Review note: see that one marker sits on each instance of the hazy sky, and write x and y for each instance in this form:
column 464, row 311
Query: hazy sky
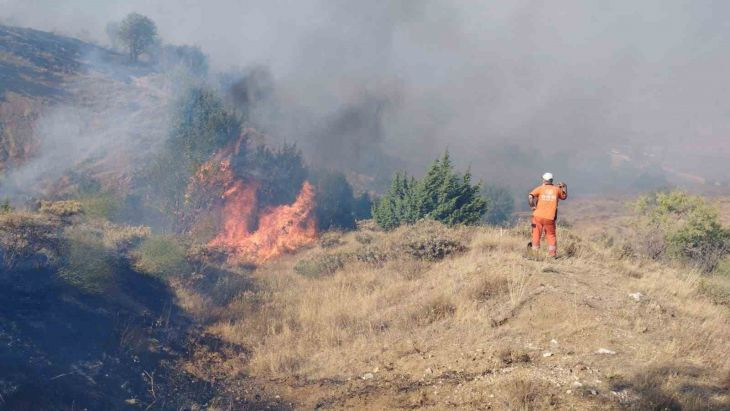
column 577, row 77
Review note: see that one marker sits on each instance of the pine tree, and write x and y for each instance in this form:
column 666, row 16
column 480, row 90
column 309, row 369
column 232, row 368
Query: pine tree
column 443, row 195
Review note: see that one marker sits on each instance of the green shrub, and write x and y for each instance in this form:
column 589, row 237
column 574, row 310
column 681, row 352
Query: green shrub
column 429, row 240
column 161, row 257
column 5, row 207
column 101, row 205
column 320, row 266
column 442, row 195
column 679, row 226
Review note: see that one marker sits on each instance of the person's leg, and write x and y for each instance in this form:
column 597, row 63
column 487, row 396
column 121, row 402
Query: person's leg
column 536, row 233
column 551, row 238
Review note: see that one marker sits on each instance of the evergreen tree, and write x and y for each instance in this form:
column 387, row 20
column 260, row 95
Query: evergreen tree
column 443, row 195
column 501, row 205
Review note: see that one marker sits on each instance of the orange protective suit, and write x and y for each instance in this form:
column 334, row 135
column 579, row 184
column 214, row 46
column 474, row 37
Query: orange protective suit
column 545, row 214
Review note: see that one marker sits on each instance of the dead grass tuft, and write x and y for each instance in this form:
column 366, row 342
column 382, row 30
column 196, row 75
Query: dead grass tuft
column 320, row 265
column 428, row 240
column 330, row 239
column 437, row 309
column 525, row 394
column 488, row 288
column 64, row 208
column 371, row 255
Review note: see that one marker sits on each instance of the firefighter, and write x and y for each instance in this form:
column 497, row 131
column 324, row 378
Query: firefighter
column 544, row 203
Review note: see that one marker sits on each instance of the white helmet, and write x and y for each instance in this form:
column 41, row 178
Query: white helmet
column 547, row 176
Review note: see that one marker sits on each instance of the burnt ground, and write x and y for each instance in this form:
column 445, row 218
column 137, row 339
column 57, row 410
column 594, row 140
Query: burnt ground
column 61, row 349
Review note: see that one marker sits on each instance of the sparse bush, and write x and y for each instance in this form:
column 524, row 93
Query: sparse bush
column 717, row 291
column 429, row 240
column 683, row 227
column 330, row 239
column 363, row 238
column 161, row 257
column 370, row 255
column 442, row 195
column 320, row 266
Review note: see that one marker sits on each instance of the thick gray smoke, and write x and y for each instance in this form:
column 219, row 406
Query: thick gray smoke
column 597, row 92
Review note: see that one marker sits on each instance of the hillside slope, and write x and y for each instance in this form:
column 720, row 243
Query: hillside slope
column 70, row 105
column 365, row 320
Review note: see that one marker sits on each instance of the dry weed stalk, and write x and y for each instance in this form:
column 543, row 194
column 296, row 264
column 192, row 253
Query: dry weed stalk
column 517, row 284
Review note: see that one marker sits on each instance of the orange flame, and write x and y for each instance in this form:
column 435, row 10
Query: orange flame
column 281, row 229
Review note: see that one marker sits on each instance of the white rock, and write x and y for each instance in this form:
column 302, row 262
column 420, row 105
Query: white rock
column 576, row 384
column 367, row 376
column 547, row 354
column 375, row 370
column 429, row 371
column 636, row 296
column 553, row 342
column 605, row 351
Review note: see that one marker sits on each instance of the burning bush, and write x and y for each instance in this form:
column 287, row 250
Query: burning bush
column 254, row 202
column 202, row 126
column 279, row 173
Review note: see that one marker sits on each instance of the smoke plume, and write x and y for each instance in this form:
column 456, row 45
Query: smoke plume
column 596, row 92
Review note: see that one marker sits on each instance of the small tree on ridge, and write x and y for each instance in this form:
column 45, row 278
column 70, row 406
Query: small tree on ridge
column 137, row 33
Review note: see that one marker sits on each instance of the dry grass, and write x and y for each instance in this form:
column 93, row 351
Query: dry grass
column 451, row 320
